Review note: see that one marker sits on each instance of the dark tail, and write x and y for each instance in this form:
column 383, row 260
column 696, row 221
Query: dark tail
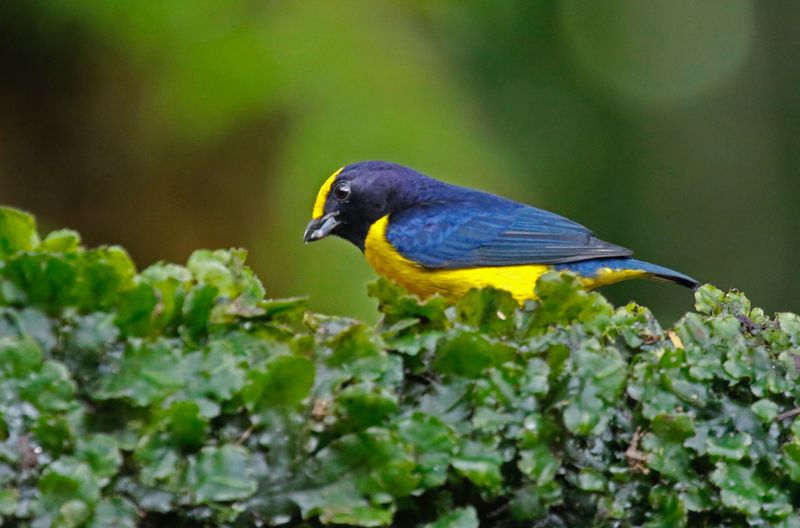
column 589, row 268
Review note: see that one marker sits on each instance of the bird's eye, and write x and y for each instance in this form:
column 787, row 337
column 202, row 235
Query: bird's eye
column 342, row 191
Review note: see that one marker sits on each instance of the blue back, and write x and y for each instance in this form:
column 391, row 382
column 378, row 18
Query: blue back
column 455, row 227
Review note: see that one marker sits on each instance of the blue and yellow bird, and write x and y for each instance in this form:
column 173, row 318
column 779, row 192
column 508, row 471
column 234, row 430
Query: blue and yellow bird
column 433, row 237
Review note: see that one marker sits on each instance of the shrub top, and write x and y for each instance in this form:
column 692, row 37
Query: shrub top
column 181, row 396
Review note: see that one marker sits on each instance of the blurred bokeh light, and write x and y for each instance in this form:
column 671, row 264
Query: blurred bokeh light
column 672, row 128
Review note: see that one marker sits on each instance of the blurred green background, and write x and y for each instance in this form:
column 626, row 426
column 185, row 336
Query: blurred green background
column 670, row 127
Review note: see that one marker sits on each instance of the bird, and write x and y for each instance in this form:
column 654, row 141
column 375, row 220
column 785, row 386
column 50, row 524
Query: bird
column 433, row 237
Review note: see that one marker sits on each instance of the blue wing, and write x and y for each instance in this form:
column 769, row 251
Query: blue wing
column 491, row 231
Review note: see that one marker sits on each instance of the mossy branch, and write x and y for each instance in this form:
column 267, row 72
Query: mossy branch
column 181, row 396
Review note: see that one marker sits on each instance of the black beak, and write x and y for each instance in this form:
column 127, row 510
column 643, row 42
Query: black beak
column 320, row 227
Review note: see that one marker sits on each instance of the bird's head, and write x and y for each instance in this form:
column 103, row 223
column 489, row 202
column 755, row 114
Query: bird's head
column 357, row 195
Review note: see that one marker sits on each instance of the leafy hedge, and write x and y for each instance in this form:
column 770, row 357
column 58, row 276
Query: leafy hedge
column 180, row 396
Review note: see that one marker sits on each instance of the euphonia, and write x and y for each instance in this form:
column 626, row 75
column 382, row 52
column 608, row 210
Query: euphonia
column 433, row 237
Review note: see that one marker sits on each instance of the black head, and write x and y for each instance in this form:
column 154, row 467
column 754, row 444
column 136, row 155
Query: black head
column 357, row 195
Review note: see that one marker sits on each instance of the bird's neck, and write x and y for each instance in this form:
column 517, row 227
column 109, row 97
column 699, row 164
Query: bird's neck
column 355, row 234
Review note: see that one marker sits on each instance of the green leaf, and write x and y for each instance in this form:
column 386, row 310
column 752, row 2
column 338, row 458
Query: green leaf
column 533, row 502
column 538, row 463
column 237, row 286
column 396, row 304
column 92, row 334
column 284, row 381
column 147, row 373
column 169, row 283
column 135, row 310
column 61, row 241
column 19, row 356
column 481, row 465
column 667, row 509
column 285, row 310
column 41, row 280
column 35, row 324
column 221, row 474
column 158, row 460
column 434, row 445
column 490, row 311
column 790, row 324
column 116, row 512
column 197, row 310
column 341, row 503
column 72, row 514
column 711, row 301
column 213, row 373
column 363, row 405
column 468, row 354
column 790, row 459
column 665, row 446
column 89, row 280
column 186, row 427
column 698, row 497
column 101, row 453
column 536, row 380
column 563, row 300
column 354, row 348
column 412, row 344
column 591, row 480
column 730, row 447
column 56, row 431
column 458, row 518
column 599, row 377
column 17, row 232
column 147, row 498
column 69, row 488
column 708, row 299
column 377, row 459
column 103, row 273
column 767, row 410
column 741, row 488
column 9, row 499
column 50, row 389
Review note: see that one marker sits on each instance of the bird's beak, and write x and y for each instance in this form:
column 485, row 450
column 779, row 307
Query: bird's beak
column 320, row 227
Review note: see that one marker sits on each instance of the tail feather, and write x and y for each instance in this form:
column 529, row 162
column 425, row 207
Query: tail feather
column 590, row 268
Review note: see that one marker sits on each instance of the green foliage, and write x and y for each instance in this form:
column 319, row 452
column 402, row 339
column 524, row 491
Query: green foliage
column 180, row 396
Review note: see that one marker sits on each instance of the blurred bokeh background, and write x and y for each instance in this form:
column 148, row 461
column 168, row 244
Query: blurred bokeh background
column 670, row 127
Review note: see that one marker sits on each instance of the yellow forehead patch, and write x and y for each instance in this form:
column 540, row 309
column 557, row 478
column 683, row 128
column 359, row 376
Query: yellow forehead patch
column 322, row 195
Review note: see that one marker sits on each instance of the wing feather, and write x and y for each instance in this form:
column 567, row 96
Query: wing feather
column 492, row 231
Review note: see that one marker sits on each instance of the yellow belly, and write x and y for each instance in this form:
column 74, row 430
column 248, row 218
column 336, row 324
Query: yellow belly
column 452, row 284
column 520, row 281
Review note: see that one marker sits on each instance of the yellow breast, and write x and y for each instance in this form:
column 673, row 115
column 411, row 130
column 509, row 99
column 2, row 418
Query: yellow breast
column 450, row 283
